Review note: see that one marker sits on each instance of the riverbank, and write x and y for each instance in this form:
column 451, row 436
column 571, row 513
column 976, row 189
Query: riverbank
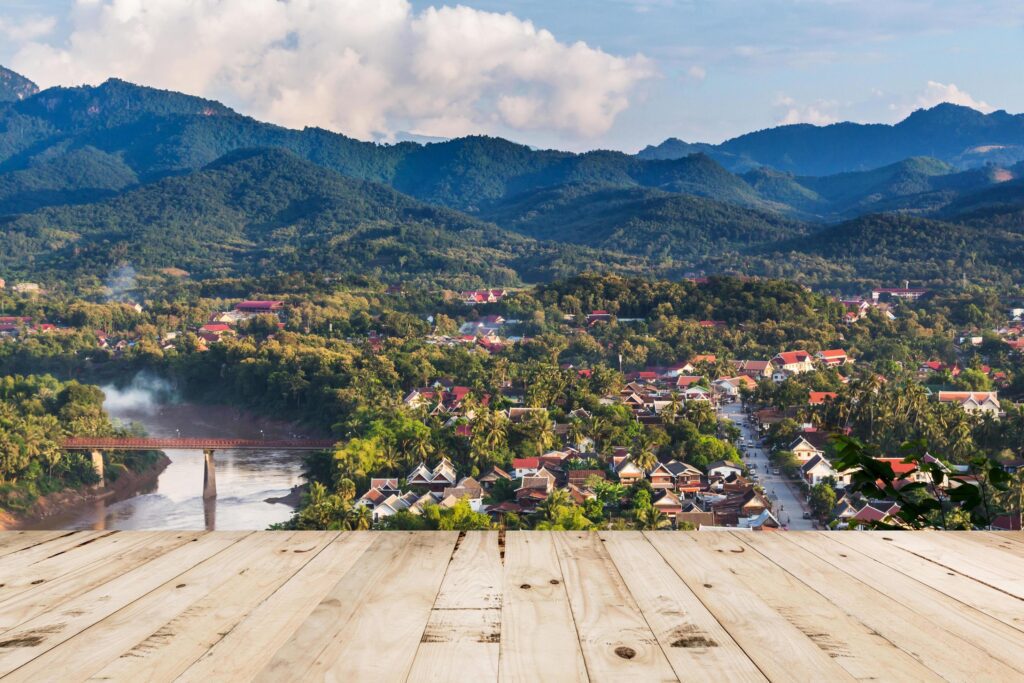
column 70, row 503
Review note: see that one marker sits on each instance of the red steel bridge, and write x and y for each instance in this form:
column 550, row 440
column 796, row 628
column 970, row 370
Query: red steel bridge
column 192, row 444
column 97, row 444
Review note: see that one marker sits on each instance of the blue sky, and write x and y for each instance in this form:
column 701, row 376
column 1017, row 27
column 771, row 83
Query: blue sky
column 700, row 70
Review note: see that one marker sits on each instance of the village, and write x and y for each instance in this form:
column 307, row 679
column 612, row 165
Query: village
column 775, row 469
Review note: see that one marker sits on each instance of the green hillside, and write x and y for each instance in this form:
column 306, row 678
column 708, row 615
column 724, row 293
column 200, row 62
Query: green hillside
column 269, row 211
column 652, row 223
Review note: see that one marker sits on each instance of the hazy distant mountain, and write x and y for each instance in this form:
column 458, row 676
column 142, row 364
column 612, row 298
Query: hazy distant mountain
column 951, row 133
column 15, row 87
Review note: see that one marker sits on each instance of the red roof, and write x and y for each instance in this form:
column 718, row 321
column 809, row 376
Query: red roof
column 789, row 357
column 898, row 466
column 525, row 463
column 817, row 398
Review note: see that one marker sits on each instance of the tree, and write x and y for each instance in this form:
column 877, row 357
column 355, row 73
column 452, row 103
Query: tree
column 651, row 518
column 822, row 498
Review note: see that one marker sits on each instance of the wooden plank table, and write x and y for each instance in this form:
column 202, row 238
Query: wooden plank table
column 521, row 606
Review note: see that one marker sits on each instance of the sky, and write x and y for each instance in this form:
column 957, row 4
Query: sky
column 567, row 74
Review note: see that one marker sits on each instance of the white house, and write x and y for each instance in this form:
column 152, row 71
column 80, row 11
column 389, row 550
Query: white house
column 723, row 468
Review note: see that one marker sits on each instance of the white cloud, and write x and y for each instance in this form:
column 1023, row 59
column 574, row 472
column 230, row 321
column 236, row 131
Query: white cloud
column 368, row 68
column 936, row 93
column 697, row 72
column 932, row 94
column 821, row 113
column 27, row 29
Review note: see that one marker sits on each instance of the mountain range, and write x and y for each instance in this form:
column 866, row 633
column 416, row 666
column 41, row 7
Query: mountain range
column 119, row 172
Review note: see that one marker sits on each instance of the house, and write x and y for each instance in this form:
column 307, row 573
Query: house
column 832, row 358
column 686, row 381
column 973, row 401
column 687, row 477
column 759, row 522
column 820, row 398
column 729, row 387
column 803, row 449
column 598, row 317
column 793, row 362
column 581, row 477
column 492, row 477
column 724, row 468
column 668, row 503
column 627, row 471
column 907, row 293
column 758, row 369
column 525, row 467
column 26, row 288
column 437, row 479
column 259, row 307
column 817, row 469
column 662, row 477
column 482, row 296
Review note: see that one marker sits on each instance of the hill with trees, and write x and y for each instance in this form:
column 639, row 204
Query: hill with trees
column 267, row 210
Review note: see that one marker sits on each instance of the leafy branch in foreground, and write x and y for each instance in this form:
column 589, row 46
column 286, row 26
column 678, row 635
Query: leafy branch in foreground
column 934, row 499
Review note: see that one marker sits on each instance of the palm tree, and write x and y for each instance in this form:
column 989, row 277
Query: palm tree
column 550, row 507
column 359, row 518
column 651, row 518
column 576, row 432
column 643, row 453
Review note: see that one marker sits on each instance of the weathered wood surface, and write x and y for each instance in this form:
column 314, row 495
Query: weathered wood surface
column 522, row 606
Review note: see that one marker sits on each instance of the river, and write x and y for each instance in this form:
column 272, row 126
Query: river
column 245, row 479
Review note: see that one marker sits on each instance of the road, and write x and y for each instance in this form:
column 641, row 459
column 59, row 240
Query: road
column 788, row 504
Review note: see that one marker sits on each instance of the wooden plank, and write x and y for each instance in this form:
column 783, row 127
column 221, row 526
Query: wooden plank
column 995, row 540
column 389, row 618
column 866, row 597
column 464, row 629
column 33, row 638
column 176, row 643
column 25, row 559
column 52, row 594
column 18, row 580
column 694, row 642
column 995, row 603
column 15, row 541
column 992, row 567
column 998, row 640
column 862, row 652
column 251, row 644
column 335, row 609
column 538, row 634
column 780, row 650
column 616, row 641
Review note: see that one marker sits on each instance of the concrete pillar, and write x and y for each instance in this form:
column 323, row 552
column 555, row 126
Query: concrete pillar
column 210, row 513
column 97, row 464
column 209, row 475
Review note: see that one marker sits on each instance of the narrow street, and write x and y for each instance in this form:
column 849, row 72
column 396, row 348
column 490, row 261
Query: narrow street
column 788, row 503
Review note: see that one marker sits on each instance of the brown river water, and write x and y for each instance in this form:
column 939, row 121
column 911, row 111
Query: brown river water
column 245, row 479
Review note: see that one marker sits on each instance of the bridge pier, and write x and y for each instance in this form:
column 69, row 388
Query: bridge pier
column 209, row 474
column 97, row 465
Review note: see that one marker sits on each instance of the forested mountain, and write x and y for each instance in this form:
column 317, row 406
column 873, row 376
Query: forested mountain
column 267, row 210
column 158, row 133
column 951, row 133
column 660, row 225
column 14, row 87
column 93, row 177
